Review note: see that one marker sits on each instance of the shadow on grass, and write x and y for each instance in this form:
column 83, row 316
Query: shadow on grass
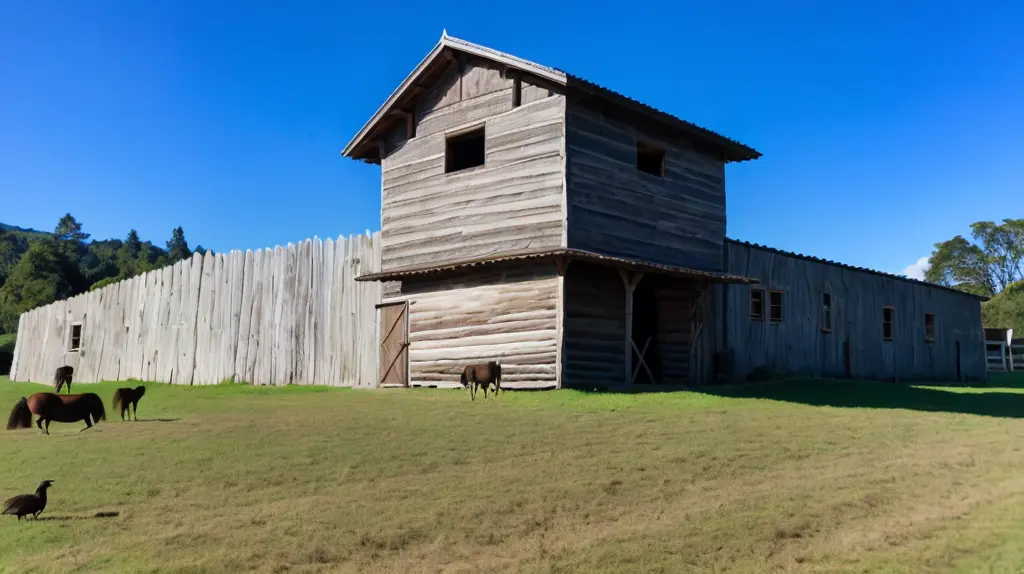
column 877, row 395
column 66, row 518
column 150, row 420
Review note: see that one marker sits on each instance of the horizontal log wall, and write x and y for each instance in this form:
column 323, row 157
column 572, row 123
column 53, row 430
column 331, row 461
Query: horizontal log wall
column 291, row 315
column 509, row 314
column 798, row 346
column 512, row 202
column 614, row 208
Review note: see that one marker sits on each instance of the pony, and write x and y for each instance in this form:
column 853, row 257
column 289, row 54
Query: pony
column 63, row 377
column 53, row 407
column 482, row 375
column 126, row 396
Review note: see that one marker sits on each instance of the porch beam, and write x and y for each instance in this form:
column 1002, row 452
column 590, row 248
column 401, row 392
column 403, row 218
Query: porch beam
column 629, row 282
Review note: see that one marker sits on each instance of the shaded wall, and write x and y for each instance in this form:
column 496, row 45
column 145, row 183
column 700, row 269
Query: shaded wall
column 291, row 315
column 798, row 346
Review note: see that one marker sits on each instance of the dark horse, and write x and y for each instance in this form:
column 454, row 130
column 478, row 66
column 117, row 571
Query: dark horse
column 53, row 407
column 126, row 396
column 63, row 377
column 482, row 375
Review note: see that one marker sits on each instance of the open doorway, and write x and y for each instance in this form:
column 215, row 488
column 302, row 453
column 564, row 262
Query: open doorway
column 645, row 333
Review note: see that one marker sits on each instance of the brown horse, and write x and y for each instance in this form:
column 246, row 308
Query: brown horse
column 482, row 375
column 126, row 396
column 63, row 377
column 53, row 407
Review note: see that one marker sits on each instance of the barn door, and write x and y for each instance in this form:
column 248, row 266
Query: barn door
column 394, row 345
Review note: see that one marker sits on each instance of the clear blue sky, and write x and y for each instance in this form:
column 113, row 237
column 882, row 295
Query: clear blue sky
column 885, row 126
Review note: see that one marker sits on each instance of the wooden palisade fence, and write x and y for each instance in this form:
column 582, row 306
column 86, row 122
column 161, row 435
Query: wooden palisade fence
column 288, row 315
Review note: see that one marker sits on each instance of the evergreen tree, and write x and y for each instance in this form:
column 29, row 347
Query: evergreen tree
column 177, row 247
column 39, row 278
column 69, row 235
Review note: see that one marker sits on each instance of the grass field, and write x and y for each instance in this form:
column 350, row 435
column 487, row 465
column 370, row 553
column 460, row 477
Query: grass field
column 801, row 476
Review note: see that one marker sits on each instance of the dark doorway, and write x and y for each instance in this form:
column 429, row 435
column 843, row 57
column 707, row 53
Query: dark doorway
column 645, row 328
column 847, row 363
column 959, row 376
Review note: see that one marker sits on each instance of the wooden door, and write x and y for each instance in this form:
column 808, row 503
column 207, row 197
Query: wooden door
column 393, row 370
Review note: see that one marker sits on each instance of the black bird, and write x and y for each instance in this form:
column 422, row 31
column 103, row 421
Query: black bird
column 25, row 504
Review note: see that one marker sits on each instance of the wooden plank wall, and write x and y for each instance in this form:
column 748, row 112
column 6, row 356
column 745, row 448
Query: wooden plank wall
column 509, row 313
column 512, row 202
column 595, row 318
column 290, row 315
column 797, row 345
column 614, row 208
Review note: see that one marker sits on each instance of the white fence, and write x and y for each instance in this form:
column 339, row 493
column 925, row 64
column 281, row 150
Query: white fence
column 288, row 315
column 1005, row 356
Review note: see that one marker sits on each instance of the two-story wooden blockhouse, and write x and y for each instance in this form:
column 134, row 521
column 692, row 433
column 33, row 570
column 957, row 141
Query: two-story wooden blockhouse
column 579, row 236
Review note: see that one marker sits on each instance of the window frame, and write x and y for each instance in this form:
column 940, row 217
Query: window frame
column 929, row 337
column 463, row 134
column 892, row 315
column 781, row 293
column 760, row 318
column 643, row 147
column 71, row 346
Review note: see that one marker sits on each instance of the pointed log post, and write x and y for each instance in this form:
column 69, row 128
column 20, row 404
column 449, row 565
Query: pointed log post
column 630, row 284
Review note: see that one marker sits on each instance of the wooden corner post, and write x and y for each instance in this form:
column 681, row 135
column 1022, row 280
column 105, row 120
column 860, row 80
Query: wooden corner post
column 630, row 284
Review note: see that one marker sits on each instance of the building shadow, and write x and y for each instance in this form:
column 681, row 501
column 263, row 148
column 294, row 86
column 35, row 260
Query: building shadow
column 879, row 395
column 91, row 517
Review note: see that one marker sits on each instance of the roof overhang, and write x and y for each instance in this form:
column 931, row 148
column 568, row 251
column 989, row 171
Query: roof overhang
column 562, row 255
column 413, row 83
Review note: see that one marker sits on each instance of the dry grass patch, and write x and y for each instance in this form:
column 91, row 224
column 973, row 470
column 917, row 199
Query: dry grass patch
column 741, row 479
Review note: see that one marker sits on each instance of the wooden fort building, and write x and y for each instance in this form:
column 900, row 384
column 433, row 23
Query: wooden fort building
column 579, row 236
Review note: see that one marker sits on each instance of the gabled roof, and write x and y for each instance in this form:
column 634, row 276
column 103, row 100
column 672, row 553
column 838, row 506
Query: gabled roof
column 731, row 150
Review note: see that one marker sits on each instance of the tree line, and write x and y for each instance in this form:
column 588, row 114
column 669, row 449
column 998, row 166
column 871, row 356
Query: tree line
column 39, row 268
column 986, row 264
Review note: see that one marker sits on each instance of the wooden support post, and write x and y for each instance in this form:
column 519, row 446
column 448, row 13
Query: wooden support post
column 630, row 284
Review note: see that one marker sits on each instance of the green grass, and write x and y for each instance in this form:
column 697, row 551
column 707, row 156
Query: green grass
column 234, row 478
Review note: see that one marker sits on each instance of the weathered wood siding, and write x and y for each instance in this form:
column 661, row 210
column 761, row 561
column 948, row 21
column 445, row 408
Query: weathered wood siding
column 512, row 202
column 291, row 315
column 508, row 313
column 593, row 354
column 614, row 208
column 797, row 345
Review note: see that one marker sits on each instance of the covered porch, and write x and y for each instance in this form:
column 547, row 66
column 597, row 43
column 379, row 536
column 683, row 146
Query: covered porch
column 631, row 324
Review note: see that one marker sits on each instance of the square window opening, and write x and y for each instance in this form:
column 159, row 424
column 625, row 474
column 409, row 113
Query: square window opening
column 775, row 307
column 650, row 159
column 464, row 151
column 887, row 316
column 929, row 327
column 757, row 305
column 75, row 340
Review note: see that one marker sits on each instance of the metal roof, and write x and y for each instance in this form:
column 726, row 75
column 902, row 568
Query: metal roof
column 566, row 253
column 852, row 267
column 735, row 151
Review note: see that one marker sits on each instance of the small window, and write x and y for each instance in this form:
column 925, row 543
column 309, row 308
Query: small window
column 826, row 312
column 757, row 304
column 650, row 159
column 887, row 313
column 75, row 341
column 464, row 150
column 775, row 307
column 929, row 327
column 517, row 93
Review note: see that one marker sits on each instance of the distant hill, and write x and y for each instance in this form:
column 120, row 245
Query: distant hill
column 7, row 227
column 1006, row 310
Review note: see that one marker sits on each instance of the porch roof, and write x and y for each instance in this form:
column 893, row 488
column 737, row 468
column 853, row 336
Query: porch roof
column 562, row 255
